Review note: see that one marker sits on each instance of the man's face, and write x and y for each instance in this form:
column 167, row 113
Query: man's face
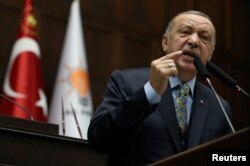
column 194, row 35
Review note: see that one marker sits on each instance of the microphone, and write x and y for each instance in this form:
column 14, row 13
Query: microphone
column 205, row 76
column 18, row 105
column 63, row 117
column 78, row 126
column 200, row 68
column 229, row 81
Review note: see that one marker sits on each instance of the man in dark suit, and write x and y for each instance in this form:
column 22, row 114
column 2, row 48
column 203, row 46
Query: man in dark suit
column 146, row 115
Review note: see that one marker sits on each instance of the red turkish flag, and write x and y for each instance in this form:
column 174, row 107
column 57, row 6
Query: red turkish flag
column 23, row 82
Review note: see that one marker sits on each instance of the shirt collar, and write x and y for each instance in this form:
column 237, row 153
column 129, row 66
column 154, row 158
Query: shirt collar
column 175, row 81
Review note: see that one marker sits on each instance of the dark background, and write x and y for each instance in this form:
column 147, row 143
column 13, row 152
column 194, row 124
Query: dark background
column 127, row 33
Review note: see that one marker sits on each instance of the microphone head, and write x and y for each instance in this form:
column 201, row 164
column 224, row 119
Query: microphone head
column 200, row 68
column 213, row 69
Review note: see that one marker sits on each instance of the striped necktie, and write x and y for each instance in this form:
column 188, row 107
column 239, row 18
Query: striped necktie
column 180, row 106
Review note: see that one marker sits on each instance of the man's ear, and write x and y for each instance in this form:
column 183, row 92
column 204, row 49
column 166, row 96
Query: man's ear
column 164, row 42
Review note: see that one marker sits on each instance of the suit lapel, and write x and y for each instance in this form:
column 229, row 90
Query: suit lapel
column 167, row 110
column 198, row 117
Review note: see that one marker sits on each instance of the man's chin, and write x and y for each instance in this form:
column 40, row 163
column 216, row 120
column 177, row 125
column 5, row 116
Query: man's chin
column 188, row 67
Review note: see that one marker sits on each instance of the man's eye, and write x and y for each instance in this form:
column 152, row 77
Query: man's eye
column 185, row 33
column 204, row 37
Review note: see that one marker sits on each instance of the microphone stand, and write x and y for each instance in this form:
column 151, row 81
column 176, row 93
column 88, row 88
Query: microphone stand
column 242, row 90
column 63, row 117
column 78, row 126
column 205, row 76
column 219, row 101
column 224, row 77
column 18, row 105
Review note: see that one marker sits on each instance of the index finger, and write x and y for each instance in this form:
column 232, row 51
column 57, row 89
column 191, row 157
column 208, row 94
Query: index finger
column 172, row 55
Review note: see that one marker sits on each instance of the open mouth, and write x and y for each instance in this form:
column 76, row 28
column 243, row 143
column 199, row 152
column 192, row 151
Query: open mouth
column 189, row 53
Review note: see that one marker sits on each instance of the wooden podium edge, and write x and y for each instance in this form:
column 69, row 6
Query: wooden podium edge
column 206, row 146
column 28, row 125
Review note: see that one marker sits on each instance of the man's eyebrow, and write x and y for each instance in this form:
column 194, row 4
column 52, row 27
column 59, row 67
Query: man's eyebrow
column 206, row 31
column 187, row 25
column 184, row 25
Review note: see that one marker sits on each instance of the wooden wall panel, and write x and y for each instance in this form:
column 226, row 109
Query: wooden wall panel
column 123, row 34
column 98, row 48
column 140, row 54
column 9, row 21
column 247, row 60
column 51, row 48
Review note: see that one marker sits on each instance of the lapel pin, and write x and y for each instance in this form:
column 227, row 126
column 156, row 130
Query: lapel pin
column 202, row 102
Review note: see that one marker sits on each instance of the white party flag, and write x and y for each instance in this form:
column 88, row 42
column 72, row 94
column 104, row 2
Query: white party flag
column 72, row 83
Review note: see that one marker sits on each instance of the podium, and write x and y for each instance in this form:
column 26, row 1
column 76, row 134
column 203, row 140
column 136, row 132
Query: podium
column 240, row 140
column 25, row 142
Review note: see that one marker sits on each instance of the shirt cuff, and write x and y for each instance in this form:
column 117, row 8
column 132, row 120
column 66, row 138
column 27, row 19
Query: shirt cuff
column 152, row 96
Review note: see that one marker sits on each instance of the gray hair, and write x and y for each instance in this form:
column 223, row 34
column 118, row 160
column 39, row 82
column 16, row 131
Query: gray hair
column 194, row 12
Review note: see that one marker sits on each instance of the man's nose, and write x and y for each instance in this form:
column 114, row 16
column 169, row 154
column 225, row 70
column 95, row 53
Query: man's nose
column 193, row 41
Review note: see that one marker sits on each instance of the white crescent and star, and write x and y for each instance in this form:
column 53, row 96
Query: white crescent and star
column 22, row 45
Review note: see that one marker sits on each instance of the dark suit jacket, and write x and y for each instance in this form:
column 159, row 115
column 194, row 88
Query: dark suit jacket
column 135, row 133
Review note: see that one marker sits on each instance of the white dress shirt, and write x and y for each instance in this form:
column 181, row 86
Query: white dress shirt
column 155, row 98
